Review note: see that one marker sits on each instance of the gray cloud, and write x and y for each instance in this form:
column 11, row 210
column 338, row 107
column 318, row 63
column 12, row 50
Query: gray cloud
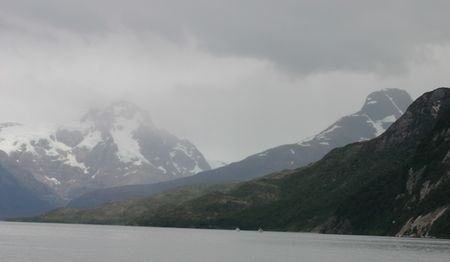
column 300, row 37
column 235, row 77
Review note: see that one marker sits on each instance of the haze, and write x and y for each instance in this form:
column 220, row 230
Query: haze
column 234, row 77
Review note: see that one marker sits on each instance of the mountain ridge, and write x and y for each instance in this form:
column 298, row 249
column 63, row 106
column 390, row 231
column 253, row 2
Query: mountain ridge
column 379, row 110
column 111, row 146
column 395, row 184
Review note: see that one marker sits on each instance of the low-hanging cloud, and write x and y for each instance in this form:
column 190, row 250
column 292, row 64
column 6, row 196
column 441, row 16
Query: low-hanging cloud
column 301, row 37
column 235, row 77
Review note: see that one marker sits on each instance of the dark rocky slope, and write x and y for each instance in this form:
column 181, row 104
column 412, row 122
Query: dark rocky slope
column 22, row 195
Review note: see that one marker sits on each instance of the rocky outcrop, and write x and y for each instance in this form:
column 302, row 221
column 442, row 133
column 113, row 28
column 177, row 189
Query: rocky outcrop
column 420, row 226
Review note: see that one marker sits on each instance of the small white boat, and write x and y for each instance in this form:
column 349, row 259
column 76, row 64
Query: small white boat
column 238, row 229
column 260, row 230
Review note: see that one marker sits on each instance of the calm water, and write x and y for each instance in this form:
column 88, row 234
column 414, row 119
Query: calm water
column 59, row 243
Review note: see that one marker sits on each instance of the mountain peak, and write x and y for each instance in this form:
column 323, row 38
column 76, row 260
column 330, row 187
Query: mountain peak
column 380, row 110
column 111, row 146
column 386, row 102
column 421, row 117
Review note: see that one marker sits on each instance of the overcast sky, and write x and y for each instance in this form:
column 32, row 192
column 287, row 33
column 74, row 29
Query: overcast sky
column 233, row 76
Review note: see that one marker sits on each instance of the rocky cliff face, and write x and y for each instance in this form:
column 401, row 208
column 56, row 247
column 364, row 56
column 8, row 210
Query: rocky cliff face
column 412, row 197
column 113, row 146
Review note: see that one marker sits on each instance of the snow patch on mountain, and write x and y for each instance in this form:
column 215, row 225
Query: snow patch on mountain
column 71, row 160
column 216, row 163
column 183, row 149
column 263, row 154
column 52, row 180
column 377, row 125
column 90, row 140
column 197, row 169
column 128, row 149
column 380, row 125
column 393, row 103
column 323, row 135
column 20, row 138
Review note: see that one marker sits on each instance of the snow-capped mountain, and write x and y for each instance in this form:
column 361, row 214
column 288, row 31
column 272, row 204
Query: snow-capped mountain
column 379, row 111
column 114, row 146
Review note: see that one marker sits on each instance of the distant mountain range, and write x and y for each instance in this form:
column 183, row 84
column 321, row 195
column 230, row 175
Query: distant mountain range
column 379, row 111
column 395, row 184
column 114, row 146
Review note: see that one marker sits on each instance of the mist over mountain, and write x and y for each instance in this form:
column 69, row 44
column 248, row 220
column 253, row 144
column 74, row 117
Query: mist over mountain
column 379, row 111
column 113, row 146
column 395, row 184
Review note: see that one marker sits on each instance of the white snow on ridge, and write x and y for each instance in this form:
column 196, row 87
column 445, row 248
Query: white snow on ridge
column 56, row 147
column 393, row 103
column 216, row 164
column 20, row 138
column 305, row 144
column 71, row 160
column 128, row 149
column 52, row 180
column 323, row 135
column 263, row 154
column 378, row 124
column 389, row 119
column 25, row 139
column 90, row 140
column 197, row 169
column 188, row 151
column 162, row 169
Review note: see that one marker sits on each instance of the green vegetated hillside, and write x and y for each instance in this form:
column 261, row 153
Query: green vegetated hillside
column 126, row 212
column 396, row 184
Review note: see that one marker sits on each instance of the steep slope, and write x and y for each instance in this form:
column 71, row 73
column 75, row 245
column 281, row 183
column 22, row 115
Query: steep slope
column 396, row 184
column 379, row 111
column 21, row 194
column 114, row 146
